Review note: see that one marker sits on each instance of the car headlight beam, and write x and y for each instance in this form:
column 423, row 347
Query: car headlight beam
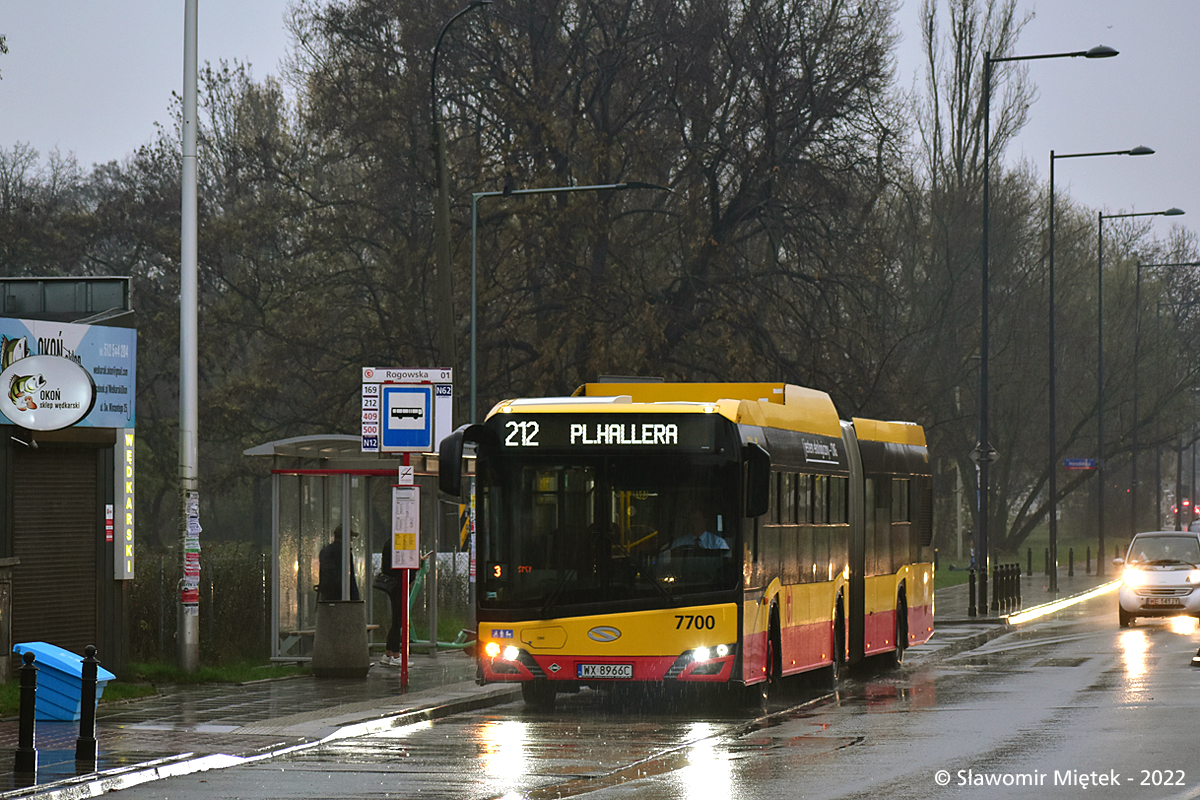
column 1133, row 578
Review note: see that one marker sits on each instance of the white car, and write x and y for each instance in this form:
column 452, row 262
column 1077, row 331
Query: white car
column 1161, row 576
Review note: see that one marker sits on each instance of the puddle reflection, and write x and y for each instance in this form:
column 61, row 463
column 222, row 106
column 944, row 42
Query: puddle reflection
column 503, row 750
column 1133, row 645
column 708, row 772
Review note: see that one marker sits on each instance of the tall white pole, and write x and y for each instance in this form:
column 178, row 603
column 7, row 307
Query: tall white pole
column 188, row 631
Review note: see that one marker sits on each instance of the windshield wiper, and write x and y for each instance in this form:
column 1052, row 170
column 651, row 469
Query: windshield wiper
column 559, row 588
column 638, row 567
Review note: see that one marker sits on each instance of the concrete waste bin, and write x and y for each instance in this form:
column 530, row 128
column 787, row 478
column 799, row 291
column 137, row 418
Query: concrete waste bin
column 60, row 681
column 340, row 648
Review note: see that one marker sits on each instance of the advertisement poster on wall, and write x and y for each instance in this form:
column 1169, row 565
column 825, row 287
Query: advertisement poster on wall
column 107, row 355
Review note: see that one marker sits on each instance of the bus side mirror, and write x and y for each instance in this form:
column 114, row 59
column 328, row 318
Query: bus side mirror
column 450, row 455
column 758, row 479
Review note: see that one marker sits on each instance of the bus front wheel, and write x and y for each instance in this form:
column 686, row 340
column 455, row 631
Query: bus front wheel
column 539, row 694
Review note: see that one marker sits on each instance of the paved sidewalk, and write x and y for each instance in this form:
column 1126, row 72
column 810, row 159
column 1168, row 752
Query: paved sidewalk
column 193, row 728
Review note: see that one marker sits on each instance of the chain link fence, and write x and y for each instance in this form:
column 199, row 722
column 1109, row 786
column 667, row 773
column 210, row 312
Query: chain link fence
column 235, row 603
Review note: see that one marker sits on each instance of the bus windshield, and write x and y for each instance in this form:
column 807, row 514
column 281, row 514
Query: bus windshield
column 557, row 533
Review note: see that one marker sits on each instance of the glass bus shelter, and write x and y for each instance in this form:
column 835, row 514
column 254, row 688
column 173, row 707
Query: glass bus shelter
column 321, row 486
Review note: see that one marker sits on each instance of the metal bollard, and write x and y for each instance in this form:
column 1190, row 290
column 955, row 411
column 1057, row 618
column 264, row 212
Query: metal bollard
column 25, row 760
column 1029, row 561
column 1001, row 573
column 971, row 609
column 1017, row 587
column 1047, row 561
column 1070, row 562
column 1002, row 587
column 996, row 588
column 85, row 746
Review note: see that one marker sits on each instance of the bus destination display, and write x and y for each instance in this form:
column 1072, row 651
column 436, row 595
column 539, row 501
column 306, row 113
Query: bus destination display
column 592, row 431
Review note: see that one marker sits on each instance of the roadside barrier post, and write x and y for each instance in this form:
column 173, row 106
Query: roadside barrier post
column 1029, row 561
column 26, row 757
column 996, row 588
column 1089, row 560
column 1070, row 562
column 971, row 609
column 85, row 746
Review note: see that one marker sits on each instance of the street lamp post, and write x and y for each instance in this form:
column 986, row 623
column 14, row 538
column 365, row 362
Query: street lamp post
column 1137, row 335
column 475, row 198
column 1170, row 212
column 441, row 208
column 983, row 450
column 1053, row 424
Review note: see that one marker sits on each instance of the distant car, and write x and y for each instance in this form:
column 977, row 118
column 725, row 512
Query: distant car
column 1161, row 576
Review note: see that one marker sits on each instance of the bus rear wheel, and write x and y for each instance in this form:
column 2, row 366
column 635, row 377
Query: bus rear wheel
column 901, row 631
column 837, row 669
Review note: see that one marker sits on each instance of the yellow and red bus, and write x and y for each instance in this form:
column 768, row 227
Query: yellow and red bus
column 688, row 533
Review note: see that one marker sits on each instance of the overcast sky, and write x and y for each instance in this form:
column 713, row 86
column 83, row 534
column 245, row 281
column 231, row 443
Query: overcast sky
column 92, row 77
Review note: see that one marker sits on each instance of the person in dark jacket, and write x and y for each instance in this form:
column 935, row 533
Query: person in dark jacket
column 330, row 571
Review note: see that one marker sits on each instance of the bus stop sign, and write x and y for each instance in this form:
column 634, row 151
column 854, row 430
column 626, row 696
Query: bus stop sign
column 406, row 417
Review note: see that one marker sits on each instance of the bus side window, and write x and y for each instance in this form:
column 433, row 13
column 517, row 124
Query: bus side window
column 804, row 491
column 900, row 500
column 820, row 491
column 773, row 513
column 787, row 498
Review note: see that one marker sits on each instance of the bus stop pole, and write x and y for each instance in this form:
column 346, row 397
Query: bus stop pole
column 404, row 621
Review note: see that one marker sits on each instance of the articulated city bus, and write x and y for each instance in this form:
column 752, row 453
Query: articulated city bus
column 693, row 534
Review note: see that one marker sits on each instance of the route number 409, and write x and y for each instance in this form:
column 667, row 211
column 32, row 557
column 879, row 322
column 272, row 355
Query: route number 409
column 699, row 622
column 521, row 433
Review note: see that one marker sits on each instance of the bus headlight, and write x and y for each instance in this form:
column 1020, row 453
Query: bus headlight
column 707, row 653
column 491, row 649
column 511, row 653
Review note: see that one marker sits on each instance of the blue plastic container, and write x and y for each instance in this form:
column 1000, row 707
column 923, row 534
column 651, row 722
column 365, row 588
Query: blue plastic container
column 60, row 681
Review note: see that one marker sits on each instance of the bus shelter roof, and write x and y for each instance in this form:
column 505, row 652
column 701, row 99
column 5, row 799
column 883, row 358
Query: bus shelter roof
column 327, row 445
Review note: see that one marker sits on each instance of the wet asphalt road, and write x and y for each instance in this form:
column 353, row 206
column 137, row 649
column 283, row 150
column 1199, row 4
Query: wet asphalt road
column 1069, row 706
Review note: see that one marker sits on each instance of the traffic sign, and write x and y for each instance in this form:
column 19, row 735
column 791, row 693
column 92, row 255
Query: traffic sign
column 1079, row 463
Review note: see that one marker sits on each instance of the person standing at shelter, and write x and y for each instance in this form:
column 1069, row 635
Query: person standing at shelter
column 390, row 582
column 331, row 571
